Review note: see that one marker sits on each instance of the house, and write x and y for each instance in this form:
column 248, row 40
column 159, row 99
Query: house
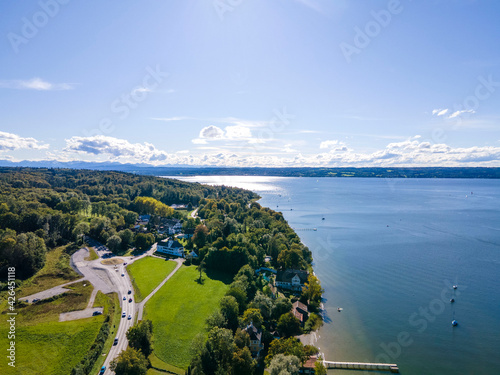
column 172, row 226
column 170, row 247
column 143, row 219
column 255, row 339
column 299, row 310
column 178, row 206
column 291, row 279
column 308, row 367
column 192, row 255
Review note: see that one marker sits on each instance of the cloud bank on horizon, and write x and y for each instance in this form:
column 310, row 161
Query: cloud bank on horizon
column 271, row 84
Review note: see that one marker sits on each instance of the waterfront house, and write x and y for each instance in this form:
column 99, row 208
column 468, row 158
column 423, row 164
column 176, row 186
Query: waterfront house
column 308, row 367
column 299, row 310
column 291, row 279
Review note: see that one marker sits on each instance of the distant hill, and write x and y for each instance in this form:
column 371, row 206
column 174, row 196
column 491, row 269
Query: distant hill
column 189, row 170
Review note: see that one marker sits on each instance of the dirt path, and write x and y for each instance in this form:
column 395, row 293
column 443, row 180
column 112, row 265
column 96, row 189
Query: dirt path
column 141, row 305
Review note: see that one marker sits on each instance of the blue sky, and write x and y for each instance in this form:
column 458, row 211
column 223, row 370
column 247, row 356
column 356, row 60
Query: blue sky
column 251, row 82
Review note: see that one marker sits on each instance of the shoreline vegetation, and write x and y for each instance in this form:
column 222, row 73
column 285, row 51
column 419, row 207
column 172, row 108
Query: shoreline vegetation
column 369, row 172
column 271, row 293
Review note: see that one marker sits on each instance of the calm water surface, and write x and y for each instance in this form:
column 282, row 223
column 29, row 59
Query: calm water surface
column 388, row 252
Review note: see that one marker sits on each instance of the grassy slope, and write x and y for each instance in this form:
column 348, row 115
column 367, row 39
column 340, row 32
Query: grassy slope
column 147, row 273
column 47, row 346
column 179, row 310
column 55, row 272
column 111, row 305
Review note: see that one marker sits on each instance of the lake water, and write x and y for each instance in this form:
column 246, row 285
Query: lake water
column 388, row 253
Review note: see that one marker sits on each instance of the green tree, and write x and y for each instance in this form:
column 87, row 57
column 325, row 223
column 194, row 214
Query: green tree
column 281, row 306
column 127, row 237
column 114, row 243
column 289, row 346
column 253, row 316
column 319, row 367
column 243, row 363
column 80, row 230
column 144, row 241
column 289, row 325
column 200, row 235
column 284, row 365
column 130, row 362
column 229, row 308
column 140, row 337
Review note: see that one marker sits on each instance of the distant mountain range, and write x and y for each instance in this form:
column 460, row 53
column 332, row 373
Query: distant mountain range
column 190, row 170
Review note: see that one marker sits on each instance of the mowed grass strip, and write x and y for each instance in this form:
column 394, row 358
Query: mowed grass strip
column 147, row 273
column 178, row 312
column 43, row 344
column 53, row 348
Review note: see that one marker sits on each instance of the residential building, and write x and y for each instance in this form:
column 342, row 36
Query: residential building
column 308, row 367
column 291, row 279
column 255, row 339
column 171, row 247
column 299, row 310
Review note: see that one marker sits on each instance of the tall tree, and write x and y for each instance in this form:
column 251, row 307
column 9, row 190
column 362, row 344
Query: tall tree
column 130, row 362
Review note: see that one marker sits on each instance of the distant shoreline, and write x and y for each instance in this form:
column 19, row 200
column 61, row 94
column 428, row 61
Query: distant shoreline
column 340, row 172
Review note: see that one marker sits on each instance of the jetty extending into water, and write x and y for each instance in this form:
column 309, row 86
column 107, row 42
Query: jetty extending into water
column 392, row 367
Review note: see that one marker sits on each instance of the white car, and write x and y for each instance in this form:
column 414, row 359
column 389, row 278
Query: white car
column 124, row 314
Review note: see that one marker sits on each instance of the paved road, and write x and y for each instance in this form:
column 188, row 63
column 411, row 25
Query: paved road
column 106, row 278
column 50, row 292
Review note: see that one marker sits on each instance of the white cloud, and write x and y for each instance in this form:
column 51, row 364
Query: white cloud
column 116, row 149
column 35, row 84
column 238, row 132
column 170, row 119
column 212, row 132
column 333, row 145
column 11, row 142
column 459, row 113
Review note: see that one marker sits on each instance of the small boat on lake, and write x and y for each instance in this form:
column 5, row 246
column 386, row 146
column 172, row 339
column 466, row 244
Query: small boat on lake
column 452, row 300
column 454, row 323
column 455, row 286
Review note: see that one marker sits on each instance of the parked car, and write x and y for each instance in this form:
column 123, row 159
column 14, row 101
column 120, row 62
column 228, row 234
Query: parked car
column 123, row 274
column 129, row 317
column 124, row 314
column 130, row 299
column 129, row 291
column 116, row 341
column 103, row 370
column 124, row 298
column 96, row 313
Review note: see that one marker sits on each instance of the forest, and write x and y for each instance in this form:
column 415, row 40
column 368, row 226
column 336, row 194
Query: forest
column 41, row 209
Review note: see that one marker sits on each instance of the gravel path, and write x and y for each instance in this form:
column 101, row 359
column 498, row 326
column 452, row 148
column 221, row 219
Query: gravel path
column 141, row 305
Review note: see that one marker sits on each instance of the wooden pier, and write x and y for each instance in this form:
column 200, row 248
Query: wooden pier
column 391, row 367
column 305, row 229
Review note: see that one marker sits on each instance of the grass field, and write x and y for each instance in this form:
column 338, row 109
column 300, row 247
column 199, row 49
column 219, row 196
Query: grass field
column 147, row 273
column 46, row 346
column 56, row 271
column 92, row 254
column 178, row 312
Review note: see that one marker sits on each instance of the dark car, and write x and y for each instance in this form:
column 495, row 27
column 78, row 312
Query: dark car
column 116, row 341
column 130, row 299
column 96, row 313
column 129, row 292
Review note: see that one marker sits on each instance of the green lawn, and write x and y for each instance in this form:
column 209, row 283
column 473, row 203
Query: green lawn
column 147, row 273
column 56, row 271
column 178, row 312
column 46, row 346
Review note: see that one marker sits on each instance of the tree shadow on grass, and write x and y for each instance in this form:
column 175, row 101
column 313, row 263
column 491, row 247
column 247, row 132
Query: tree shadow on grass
column 226, row 278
